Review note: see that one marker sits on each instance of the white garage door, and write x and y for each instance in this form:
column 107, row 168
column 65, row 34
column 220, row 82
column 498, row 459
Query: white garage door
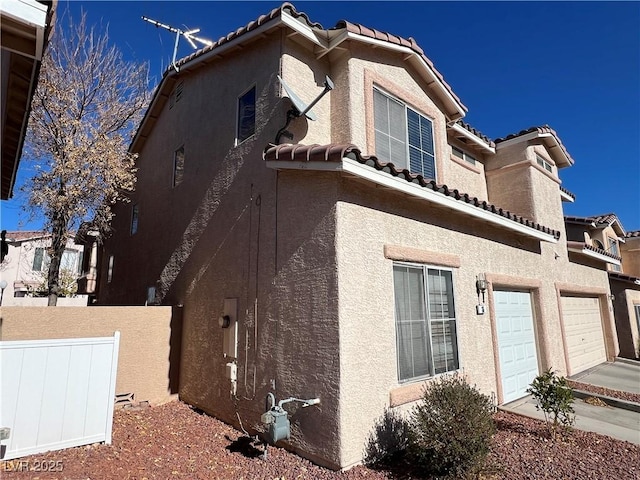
column 516, row 343
column 583, row 331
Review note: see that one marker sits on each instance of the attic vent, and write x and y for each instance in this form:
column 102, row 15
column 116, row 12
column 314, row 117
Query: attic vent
column 179, row 91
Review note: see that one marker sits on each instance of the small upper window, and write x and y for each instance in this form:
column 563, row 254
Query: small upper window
column 40, row 259
column 403, row 136
column 613, row 249
column 246, row 115
column 110, row 269
column 544, row 164
column 463, row 155
column 178, row 166
column 134, row 219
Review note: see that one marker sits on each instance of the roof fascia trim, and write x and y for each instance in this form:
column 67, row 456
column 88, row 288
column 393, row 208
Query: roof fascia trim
column 353, row 167
column 595, row 255
column 555, row 145
column 566, row 197
column 301, row 28
column 478, row 141
column 459, row 108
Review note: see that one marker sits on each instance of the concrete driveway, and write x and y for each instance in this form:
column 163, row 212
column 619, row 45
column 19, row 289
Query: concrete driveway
column 618, row 419
column 620, row 375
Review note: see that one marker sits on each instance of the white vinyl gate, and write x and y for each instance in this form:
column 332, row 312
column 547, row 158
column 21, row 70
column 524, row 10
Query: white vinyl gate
column 57, row 393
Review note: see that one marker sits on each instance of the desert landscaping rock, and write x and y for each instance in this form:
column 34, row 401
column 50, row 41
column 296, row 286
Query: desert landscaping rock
column 174, row 441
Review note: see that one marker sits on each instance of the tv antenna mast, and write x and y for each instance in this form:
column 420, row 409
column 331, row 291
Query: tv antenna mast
column 189, row 35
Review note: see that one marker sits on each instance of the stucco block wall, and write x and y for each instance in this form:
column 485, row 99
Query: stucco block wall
column 368, row 221
column 149, row 356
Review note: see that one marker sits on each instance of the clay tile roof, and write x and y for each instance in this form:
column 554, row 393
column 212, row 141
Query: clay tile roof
column 405, row 42
column 21, row 235
column 540, row 129
column 477, row 133
column 635, row 233
column 336, row 152
column 586, row 246
column 600, row 220
column 261, row 20
column 567, row 192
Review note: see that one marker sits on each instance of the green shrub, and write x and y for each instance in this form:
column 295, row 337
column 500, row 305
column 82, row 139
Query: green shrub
column 388, row 441
column 451, row 429
column 555, row 398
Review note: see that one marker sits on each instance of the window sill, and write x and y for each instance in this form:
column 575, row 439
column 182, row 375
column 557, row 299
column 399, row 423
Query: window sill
column 414, row 391
column 465, row 164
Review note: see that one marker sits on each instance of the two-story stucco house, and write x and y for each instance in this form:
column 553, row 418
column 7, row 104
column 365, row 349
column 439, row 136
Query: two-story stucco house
column 356, row 256
column 25, row 267
column 602, row 239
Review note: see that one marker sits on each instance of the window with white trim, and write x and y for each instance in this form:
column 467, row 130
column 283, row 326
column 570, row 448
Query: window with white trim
column 246, row 115
column 403, row 136
column 426, row 339
column 41, row 259
column 544, row 164
column 462, row 155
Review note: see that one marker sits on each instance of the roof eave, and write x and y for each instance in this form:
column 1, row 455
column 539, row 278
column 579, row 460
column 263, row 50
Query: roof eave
column 594, row 255
column 550, row 142
column 455, row 109
column 476, row 140
column 353, row 167
column 170, row 74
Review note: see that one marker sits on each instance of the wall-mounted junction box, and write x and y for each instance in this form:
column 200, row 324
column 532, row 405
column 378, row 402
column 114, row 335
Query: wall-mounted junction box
column 230, row 334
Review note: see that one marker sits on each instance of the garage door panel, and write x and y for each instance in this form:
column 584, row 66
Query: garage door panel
column 583, row 332
column 516, row 342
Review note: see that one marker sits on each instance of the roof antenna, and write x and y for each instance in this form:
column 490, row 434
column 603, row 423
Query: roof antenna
column 189, row 35
column 299, row 107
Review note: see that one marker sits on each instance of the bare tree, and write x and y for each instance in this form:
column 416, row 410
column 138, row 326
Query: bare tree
column 85, row 109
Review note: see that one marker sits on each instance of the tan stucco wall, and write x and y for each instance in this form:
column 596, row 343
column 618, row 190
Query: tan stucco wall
column 366, row 303
column 149, row 354
column 630, row 252
column 517, row 183
column 627, row 297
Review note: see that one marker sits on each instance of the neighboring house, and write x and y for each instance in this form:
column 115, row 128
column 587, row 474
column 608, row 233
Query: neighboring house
column 25, row 25
column 26, row 265
column 625, row 287
column 386, row 243
column 601, row 239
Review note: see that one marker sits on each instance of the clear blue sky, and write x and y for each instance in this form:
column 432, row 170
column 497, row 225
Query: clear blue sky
column 572, row 65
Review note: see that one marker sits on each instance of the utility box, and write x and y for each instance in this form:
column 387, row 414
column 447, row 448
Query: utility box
column 230, row 333
column 280, row 428
column 277, row 421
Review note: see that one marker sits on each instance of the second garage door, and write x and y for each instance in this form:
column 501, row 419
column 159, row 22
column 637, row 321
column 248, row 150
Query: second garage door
column 583, row 332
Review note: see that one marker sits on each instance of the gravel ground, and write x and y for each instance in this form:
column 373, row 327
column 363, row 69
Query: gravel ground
column 174, row 441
